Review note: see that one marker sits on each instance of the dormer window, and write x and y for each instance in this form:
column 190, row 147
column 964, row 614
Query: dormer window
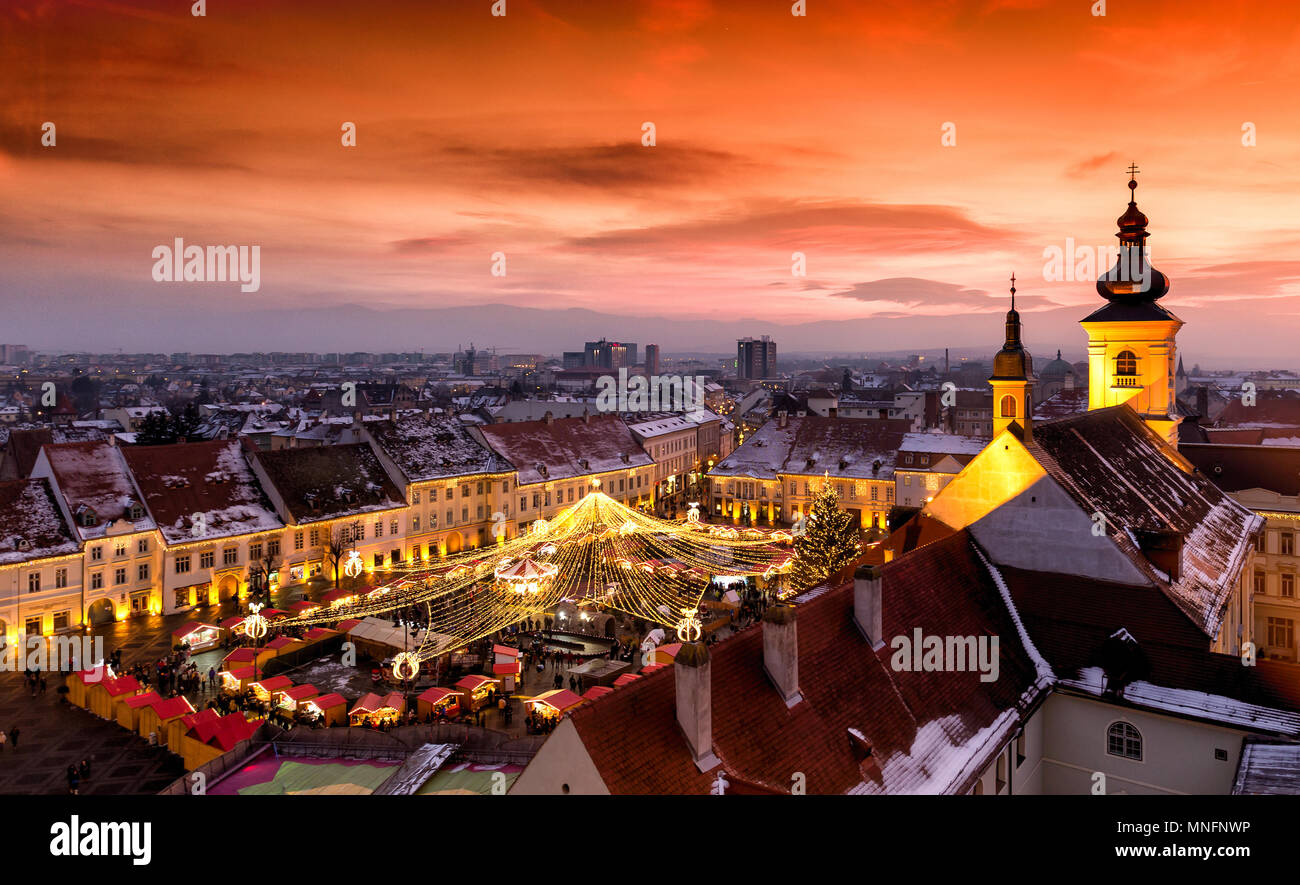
column 1126, row 363
column 87, row 518
column 135, row 513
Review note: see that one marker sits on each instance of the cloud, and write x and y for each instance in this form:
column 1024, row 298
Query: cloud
column 791, row 224
column 908, row 296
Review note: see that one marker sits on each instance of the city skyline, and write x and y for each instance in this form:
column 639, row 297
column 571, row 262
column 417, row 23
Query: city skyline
column 463, row 153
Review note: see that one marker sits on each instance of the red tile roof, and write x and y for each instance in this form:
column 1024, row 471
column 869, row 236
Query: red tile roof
column 328, row 482
column 930, row 732
column 566, row 448
column 211, row 478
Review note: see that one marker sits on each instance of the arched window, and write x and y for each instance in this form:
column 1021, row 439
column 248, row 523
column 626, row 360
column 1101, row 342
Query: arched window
column 1008, row 406
column 1124, row 740
column 1126, row 363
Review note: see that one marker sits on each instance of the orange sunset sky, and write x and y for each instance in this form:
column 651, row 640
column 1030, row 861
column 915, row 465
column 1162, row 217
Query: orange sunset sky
column 522, row 134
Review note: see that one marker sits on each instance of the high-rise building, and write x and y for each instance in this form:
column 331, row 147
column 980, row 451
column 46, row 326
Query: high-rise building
column 605, row 354
column 652, row 359
column 756, row 358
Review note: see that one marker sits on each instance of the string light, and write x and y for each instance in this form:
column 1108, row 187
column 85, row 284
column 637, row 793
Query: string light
column 598, row 552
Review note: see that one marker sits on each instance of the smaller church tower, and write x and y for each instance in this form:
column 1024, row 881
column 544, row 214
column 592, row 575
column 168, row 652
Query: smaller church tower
column 1013, row 379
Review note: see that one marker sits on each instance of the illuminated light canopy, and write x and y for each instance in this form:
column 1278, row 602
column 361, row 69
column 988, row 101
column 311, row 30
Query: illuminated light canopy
column 597, row 550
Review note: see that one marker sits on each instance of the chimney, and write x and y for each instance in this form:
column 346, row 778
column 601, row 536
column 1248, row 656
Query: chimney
column 781, row 652
column 867, row 592
column 694, row 702
column 549, row 418
column 833, row 412
column 1203, row 404
column 782, row 418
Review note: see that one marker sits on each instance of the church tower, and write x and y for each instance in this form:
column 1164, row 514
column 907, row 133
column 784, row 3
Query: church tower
column 1131, row 353
column 1013, row 379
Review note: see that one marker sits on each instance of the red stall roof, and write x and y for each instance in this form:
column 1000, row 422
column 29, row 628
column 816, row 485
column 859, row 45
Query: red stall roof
column 329, row 701
column 625, row 679
column 275, row 683
column 172, row 707
column 435, row 694
column 148, row 699
column 470, row 683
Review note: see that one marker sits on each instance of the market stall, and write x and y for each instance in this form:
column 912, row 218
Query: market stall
column 291, row 698
column 214, row 736
column 236, row 680
column 79, row 682
column 596, row 692
column 438, row 702
column 663, row 654
column 157, row 718
column 374, row 710
column 263, row 689
column 128, row 708
column 550, row 705
column 198, row 635
column 625, row 679
column 233, row 628
column 510, row 675
column 477, row 691
column 102, row 697
column 328, row 709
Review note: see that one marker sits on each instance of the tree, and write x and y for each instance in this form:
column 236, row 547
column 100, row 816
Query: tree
column 826, row 540
column 341, row 539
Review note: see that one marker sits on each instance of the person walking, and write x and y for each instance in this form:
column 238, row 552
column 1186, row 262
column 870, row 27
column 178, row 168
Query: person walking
column 13, row 736
column 2, row 741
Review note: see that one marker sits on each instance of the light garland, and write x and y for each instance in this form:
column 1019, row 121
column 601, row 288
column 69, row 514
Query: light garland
column 597, row 553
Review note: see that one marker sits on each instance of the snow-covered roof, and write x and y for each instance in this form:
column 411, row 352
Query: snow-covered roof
column 31, row 524
column 844, row 448
column 212, row 479
column 426, row 449
column 566, row 448
column 92, row 476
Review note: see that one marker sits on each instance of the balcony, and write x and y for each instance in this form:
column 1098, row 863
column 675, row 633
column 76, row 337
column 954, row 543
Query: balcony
column 1127, row 381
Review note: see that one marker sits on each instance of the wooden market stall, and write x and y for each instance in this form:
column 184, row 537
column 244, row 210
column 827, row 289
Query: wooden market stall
column 157, row 718
column 198, row 635
column 510, row 675
column 625, row 679
column 554, row 704
column 291, row 698
column 233, row 628
column 663, row 654
column 263, row 689
column 79, row 682
column 127, row 711
column 476, row 690
column 215, row 737
column 373, row 709
column 438, row 702
column 283, row 645
column 331, row 709
column 102, row 697
column 596, row 692
column 237, row 680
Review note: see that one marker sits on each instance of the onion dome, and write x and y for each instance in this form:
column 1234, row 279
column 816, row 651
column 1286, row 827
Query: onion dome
column 1132, row 280
column 1012, row 362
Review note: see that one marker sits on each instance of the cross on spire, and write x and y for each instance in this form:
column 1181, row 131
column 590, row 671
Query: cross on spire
column 1013, row 290
column 1133, row 171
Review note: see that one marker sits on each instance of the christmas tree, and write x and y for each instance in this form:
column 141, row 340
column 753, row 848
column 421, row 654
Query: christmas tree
column 826, row 540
